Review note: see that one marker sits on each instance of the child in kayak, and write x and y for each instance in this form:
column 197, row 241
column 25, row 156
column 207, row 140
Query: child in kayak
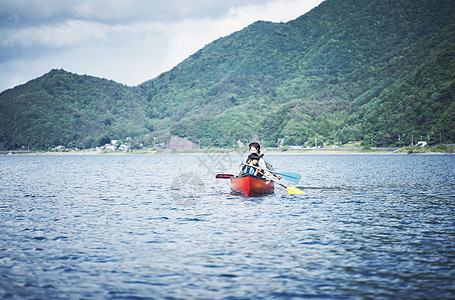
column 251, row 166
column 255, row 148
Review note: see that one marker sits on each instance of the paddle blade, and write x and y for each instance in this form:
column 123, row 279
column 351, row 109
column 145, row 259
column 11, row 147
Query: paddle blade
column 294, row 191
column 289, row 176
column 224, row 176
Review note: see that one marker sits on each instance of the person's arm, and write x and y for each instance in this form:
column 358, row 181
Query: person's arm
column 263, row 167
column 262, row 164
column 268, row 168
column 241, row 164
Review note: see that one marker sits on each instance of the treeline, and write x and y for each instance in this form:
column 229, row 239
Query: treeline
column 380, row 72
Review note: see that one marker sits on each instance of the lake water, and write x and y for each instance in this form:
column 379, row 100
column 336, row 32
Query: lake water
column 162, row 227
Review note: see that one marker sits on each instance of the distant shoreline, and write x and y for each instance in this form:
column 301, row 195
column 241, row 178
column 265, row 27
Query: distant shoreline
column 320, row 151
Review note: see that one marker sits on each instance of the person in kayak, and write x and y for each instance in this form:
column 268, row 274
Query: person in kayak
column 252, row 166
column 255, row 148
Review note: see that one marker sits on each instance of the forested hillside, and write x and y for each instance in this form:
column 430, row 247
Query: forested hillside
column 62, row 108
column 377, row 71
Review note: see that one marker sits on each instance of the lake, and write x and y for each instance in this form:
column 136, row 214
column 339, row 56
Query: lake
column 162, row 227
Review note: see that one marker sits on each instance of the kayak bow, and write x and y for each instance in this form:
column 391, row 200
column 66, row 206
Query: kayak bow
column 249, row 185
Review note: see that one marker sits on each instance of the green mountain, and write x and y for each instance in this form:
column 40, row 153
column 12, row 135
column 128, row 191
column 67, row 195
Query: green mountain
column 377, row 71
column 62, row 108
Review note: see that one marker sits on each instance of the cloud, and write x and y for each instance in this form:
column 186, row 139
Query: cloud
column 190, row 35
column 275, row 11
column 129, row 41
column 70, row 33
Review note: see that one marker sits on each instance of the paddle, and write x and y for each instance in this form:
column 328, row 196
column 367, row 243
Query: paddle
column 289, row 176
column 224, row 176
column 292, row 190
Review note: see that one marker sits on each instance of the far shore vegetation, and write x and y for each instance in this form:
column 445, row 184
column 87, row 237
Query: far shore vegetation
column 342, row 149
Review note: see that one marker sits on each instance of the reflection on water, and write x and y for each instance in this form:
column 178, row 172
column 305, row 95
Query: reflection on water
column 162, row 226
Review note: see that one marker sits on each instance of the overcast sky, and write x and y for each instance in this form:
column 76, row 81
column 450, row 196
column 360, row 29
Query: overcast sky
column 128, row 41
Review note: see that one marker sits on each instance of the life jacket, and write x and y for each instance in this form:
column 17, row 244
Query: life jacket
column 250, row 170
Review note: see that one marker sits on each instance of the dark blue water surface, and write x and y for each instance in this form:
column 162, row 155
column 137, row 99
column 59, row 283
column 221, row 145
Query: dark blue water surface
column 162, row 226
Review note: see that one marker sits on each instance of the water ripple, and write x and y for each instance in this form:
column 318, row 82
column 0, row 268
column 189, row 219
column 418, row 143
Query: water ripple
column 116, row 227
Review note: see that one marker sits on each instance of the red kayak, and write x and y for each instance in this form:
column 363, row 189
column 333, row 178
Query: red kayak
column 249, row 185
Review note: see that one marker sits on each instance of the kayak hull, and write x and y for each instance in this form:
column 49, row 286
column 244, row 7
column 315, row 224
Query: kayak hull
column 249, row 185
